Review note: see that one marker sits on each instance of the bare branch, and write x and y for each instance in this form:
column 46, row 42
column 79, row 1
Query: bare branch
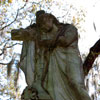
column 8, row 47
column 14, row 45
column 4, row 48
column 38, row 3
column 4, row 63
column 14, row 19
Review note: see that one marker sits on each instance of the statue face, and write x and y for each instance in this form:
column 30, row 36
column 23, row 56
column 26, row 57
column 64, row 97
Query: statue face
column 45, row 22
column 47, row 25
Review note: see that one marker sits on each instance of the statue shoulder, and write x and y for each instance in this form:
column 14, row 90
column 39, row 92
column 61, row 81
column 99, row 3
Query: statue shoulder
column 71, row 30
column 71, row 26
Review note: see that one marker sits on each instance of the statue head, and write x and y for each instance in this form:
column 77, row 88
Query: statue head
column 45, row 22
column 40, row 12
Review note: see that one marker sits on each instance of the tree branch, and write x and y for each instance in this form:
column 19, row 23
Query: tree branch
column 4, row 63
column 14, row 45
column 93, row 54
column 8, row 47
column 14, row 19
column 4, row 48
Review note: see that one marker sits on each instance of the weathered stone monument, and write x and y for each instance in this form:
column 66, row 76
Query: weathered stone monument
column 50, row 60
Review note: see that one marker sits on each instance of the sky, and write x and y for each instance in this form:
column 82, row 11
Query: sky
column 89, row 37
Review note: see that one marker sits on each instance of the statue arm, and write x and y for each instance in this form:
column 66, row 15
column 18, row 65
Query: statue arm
column 63, row 39
column 28, row 33
column 69, row 36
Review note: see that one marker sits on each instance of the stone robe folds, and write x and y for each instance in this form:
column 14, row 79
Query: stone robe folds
column 64, row 79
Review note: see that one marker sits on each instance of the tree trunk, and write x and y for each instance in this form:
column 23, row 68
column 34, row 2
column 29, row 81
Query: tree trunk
column 93, row 54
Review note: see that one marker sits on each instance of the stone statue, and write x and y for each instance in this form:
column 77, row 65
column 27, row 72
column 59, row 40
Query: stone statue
column 51, row 60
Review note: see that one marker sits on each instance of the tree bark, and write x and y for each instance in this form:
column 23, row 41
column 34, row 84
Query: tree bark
column 93, row 54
